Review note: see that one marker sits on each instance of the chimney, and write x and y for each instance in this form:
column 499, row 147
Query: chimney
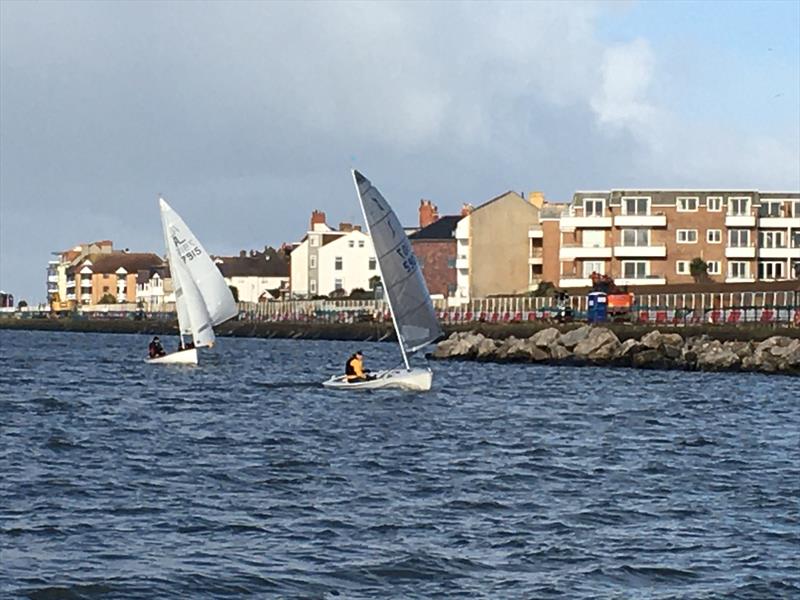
column 346, row 227
column 466, row 209
column 428, row 213
column 356, row 227
column 242, row 253
column 537, row 199
column 317, row 218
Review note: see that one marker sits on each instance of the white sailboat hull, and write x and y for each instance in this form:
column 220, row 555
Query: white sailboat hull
column 183, row 357
column 418, row 380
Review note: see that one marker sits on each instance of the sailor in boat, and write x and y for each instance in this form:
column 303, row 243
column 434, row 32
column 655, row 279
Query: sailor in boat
column 155, row 349
column 354, row 369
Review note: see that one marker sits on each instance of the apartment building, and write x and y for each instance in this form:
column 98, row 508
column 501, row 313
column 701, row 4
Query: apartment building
column 327, row 260
column 651, row 237
column 65, row 259
column 113, row 273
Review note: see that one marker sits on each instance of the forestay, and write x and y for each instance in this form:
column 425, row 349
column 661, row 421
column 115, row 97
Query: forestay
column 202, row 297
column 409, row 300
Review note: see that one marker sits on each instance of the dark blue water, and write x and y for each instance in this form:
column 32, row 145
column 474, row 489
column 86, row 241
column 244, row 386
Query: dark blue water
column 243, row 478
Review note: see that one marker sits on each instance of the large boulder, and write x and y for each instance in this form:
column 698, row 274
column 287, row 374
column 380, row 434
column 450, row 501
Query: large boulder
column 458, row 345
column 558, row 352
column 545, row 337
column 628, row 348
column 713, row 356
column 572, row 338
column 510, row 349
column 601, row 344
column 652, row 340
column 485, row 349
column 650, row 359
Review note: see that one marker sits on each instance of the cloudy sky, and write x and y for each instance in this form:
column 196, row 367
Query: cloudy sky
column 247, row 116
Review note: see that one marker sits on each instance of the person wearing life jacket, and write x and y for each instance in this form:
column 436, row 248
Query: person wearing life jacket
column 354, row 369
column 155, row 349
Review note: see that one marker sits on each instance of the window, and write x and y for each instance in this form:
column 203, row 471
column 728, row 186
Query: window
column 770, row 208
column 451, row 289
column 593, row 207
column 771, row 239
column 593, row 266
column 351, row 244
column 714, row 203
column 687, row 236
column 714, row 236
column 451, row 262
column 594, row 238
column 105, row 288
column 636, row 206
column 635, row 269
column 795, row 239
column 682, row 267
column 337, row 263
column 738, row 238
column 337, row 284
column 796, row 269
column 771, row 270
column 687, row 204
column 312, row 286
column 739, row 206
column 312, row 262
column 714, row 267
column 796, row 209
column 421, row 262
column 360, row 243
column 313, row 240
column 738, row 270
column 639, row 236
column 371, row 264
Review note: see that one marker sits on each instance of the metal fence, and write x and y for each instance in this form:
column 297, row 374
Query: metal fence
column 728, row 307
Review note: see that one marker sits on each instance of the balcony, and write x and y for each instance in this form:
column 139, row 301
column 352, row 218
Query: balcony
column 574, row 282
column 740, row 221
column 640, row 251
column 462, row 262
column 640, row 221
column 71, row 283
column 779, row 222
column 535, row 233
column 536, row 256
column 648, row 280
column 52, row 279
column 747, row 279
column 779, row 253
column 585, row 222
column 573, row 252
column 740, row 252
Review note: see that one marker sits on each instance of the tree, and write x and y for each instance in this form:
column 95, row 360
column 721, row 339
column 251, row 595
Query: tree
column 107, row 298
column 235, row 291
column 698, row 269
column 22, row 304
column 545, row 289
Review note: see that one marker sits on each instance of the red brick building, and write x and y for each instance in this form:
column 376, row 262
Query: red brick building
column 435, row 248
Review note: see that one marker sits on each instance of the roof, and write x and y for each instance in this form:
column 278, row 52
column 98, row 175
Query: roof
column 132, row 262
column 262, row 264
column 442, row 229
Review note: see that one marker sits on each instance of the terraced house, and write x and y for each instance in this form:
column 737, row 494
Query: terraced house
column 652, row 237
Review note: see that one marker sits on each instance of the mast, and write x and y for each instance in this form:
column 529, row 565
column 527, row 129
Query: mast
column 380, row 272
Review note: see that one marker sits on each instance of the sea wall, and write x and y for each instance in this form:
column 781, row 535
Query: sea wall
column 589, row 345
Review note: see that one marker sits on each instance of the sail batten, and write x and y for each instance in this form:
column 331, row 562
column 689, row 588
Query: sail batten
column 413, row 316
column 202, row 297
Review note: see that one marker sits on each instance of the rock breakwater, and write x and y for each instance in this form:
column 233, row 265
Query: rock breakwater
column 589, row 345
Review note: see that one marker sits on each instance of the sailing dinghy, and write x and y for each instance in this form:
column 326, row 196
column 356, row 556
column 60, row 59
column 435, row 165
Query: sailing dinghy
column 413, row 317
column 202, row 298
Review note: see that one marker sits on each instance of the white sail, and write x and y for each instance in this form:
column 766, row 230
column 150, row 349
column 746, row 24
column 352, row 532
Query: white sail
column 412, row 310
column 202, row 297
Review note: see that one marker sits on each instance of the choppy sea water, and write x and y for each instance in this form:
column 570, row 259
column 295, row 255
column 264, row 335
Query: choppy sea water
column 244, row 478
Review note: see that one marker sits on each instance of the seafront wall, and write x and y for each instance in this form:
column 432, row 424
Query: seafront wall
column 600, row 346
column 371, row 331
